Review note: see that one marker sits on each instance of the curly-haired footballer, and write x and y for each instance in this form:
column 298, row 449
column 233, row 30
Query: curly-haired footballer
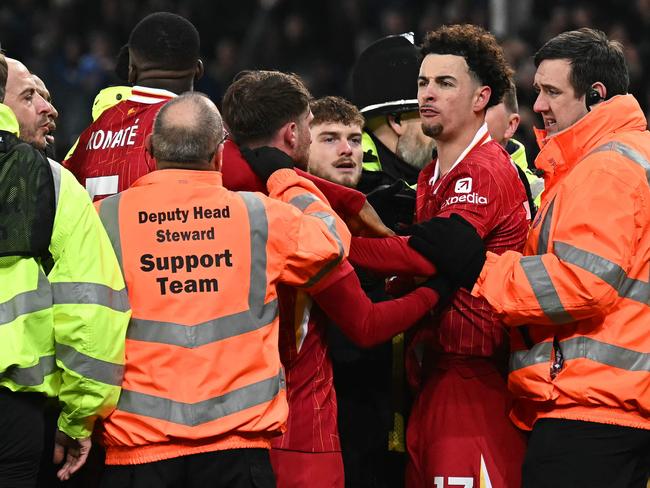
column 459, row 426
column 459, row 432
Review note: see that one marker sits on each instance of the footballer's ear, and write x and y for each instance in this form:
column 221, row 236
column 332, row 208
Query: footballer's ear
column 483, row 94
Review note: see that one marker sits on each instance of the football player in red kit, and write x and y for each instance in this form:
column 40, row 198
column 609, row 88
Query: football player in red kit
column 269, row 114
column 459, row 433
column 163, row 62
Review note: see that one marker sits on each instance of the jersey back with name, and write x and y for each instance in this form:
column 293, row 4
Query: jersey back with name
column 110, row 154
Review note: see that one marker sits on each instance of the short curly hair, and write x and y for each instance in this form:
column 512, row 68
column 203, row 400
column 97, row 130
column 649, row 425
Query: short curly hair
column 333, row 109
column 481, row 51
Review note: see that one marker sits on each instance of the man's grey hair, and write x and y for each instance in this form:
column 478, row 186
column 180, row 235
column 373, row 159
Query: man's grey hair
column 190, row 136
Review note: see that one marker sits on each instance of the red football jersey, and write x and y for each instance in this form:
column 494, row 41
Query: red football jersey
column 110, row 154
column 484, row 188
column 311, row 424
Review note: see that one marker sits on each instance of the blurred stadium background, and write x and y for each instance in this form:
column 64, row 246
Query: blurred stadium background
column 72, row 44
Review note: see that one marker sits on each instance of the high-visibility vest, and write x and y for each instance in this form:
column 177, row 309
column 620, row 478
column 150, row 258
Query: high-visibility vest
column 519, row 158
column 63, row 334
column 201, row 263
column 582, row 290
column 371, row 160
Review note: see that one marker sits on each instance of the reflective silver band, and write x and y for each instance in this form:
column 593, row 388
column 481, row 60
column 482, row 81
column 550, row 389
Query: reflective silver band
column 330, row 222
column 88, row 367
column 628, row 152
column 31, row 375
column 259, row 236
column 56, row 175
column 90, row 293
column 27, row 302
column 109, row 215
column 539, row 353
column 542, row 243
column 583, row 348
column 193, row 414
column 606, row 270
column 545, row 292
column 201, row 334
column 301, row 202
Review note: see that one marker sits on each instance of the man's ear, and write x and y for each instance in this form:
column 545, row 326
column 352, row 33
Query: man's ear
column 217, row 159
column 482, row 98
column 395, row 123
column 198, row 73
column 513, row 124
column 147, row 145
column 289, row 134
column 133, row 74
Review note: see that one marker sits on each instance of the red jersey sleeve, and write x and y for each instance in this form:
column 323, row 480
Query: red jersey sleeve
column 367, row 323
column 389, row 256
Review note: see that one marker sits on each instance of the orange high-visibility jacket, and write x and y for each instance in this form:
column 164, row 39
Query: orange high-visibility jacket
column 201, row 265
column 582, row 287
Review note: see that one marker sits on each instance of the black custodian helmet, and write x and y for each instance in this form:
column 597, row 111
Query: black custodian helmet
column 384, row 78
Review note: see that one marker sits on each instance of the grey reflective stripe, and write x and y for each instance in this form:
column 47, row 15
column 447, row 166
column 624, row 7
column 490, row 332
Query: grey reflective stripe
column 31, row 375
column 547, row 296
column 198, row 335
column 259, row 314
column 90, row 293
column 601, row 352
column 302, row 202
column 27, row 302
column 539, row 353
column 330, row 222
column 628, row 152
column 193, row 414
column 56, row 174
column 88, row 367
column 259, row 236
column 109, row 215
column 608, row 271
column 583, row 348
column 542, row 243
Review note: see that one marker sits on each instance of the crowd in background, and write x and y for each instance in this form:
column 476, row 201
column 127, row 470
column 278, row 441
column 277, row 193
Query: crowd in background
column 72, row 44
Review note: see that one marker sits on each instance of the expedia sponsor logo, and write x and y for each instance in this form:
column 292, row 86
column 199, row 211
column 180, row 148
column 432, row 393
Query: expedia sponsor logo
column 463, row 185
column 469, row 198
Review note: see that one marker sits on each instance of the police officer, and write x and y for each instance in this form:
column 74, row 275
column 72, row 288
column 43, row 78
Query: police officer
column 384, row 85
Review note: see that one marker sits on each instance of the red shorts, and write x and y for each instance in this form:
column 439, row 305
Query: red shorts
column 296, row 469
column 459, row 433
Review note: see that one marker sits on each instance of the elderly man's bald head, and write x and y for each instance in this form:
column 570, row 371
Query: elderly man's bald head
column 187, row 132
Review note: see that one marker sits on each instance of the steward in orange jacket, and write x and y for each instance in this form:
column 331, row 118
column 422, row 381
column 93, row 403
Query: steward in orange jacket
column 582, row 290
column 578, row 299
column 201, row 266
